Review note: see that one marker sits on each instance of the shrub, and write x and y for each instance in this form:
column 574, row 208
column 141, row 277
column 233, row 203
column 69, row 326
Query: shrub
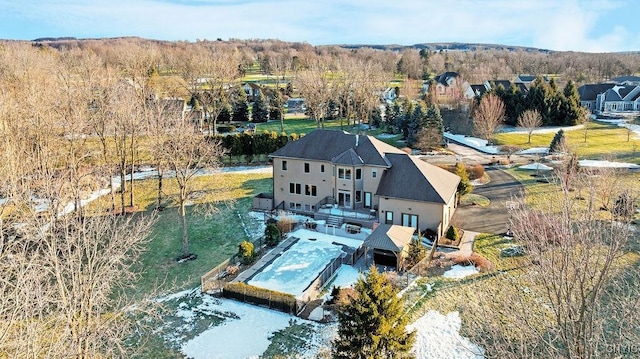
column 476, row 172
column 226, row 129
column 231, row 270
column 452, row 233
column 246, row 252
column 261, row 296
column 464, row 186
column 272, row 235
column 285, row 225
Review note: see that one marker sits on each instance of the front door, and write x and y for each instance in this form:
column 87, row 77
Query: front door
column 344, row 199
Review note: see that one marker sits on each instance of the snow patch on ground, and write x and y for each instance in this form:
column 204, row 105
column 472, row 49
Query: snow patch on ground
column 386, row 135
column 243, row 335
column 345, row 277
column 438, row 336
column 458, row 272
column 534, row 151
column 547, row 129
column 536, row 166
column 473, row 142
column 608, row 164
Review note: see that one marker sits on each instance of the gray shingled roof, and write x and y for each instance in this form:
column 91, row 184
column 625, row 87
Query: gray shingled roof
column 329, row 145
column 444, row 77
column 478, row 90
column 589, row 92
column 390, row 237
column 348, row 157
column 631, row 79
column 413, row 179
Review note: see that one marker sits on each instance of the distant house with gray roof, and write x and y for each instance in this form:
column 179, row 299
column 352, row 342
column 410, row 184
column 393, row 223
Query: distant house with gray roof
column 362, row 180
column 610, row 97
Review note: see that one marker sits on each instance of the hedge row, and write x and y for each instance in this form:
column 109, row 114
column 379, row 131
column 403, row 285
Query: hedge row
column 274, row 300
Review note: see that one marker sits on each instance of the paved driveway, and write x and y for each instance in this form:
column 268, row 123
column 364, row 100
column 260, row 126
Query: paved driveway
column 494, row 218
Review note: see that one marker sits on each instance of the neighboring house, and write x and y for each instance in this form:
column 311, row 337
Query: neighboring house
column 621, row 98
column 627, row 80
column 590, row 95
column 389, row 94
column 610, row 97
column 331, row 173
column 472, row 91
column 295, row 105
column 528, row 79
column 449, row 86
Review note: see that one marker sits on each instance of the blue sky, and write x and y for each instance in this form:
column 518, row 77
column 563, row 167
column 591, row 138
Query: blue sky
column 577, row 25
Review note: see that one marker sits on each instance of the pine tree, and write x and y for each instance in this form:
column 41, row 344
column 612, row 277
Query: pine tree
column 571, row 110
column 241, row 106
column 559, row 143
column 260, row 109
column 275, row 106
column 372, row 325
column 417, row 121
column 417, row 251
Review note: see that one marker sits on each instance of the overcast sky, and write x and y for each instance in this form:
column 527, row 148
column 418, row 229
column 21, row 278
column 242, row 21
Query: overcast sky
column 578, row 25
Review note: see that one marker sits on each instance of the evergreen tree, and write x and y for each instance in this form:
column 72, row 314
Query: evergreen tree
column 260, row 109
column 417, row 121
column 391, row 117
column 275, row 106
column 571, row 109
column 464, row 187
column 405, row 118
column 372, row 325
column 417, row 251
column 240, row 106
column 559, row 143
column 376, row 117
column 225, row 113
column 434, row 120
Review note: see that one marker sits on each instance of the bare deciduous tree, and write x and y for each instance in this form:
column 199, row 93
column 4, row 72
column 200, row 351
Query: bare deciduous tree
column 488, row 116
column 577, row 294
column 530, row 120
column 186, row 152
column 315, row 86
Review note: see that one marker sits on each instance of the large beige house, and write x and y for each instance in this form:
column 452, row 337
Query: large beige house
column 330, row 173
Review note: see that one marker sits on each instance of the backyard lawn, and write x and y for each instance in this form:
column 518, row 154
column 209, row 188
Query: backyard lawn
column 213, row 235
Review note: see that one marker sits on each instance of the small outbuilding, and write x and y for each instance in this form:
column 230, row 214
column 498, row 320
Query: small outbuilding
column 390, row 244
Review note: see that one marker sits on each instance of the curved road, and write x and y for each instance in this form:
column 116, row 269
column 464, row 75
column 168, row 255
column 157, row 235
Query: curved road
column 494, row 218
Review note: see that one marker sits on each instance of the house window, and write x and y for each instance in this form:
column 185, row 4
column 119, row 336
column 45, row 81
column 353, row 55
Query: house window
column 284, row 165
column 295, row 188
column 344, row 173
column 410, row 220
column 310, row 190
column 322, row 168
column 306, row 167
column 358, row 173
column 374, row 173
column 358, row 196
column 388, row 217
column 292, row 205
column 367, row 200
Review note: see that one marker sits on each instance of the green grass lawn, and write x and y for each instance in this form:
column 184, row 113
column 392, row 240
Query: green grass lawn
column 212, row 237
column 299, row 125
column 603, row 142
